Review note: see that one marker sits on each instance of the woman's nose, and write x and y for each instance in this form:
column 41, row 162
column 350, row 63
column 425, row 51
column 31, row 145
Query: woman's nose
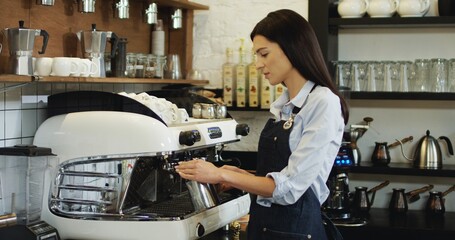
column 259, row 65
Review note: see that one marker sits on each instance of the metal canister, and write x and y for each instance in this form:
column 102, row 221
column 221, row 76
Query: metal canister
column 197, row 110
column 221, row 111
column 208, row 110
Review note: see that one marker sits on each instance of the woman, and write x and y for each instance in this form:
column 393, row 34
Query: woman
column 298, row 147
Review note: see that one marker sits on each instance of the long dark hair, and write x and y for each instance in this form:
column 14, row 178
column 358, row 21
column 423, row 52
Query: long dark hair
column 298, row 41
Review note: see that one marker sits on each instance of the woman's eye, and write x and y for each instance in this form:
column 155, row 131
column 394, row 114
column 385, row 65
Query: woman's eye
column 263, row 54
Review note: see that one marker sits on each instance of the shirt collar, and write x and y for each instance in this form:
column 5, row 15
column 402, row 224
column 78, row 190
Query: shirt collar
column 286, row 104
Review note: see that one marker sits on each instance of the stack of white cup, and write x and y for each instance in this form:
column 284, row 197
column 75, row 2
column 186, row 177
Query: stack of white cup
column 64, row 67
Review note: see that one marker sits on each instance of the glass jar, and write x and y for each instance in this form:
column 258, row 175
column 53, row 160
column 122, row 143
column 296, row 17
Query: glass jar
column 160, row 62
column 141, row 61
column 150, row 66
column 130, row 65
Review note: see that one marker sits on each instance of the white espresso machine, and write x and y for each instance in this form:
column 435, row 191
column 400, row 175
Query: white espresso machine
column 116, row 178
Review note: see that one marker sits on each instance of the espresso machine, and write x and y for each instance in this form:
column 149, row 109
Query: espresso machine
column 21, row 42
column 116, row 179
column 93, row 45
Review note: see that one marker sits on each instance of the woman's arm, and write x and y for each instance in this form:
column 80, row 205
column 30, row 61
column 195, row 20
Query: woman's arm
column 206, row 172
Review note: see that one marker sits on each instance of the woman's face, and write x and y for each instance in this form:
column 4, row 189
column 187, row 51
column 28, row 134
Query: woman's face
column 271, row 60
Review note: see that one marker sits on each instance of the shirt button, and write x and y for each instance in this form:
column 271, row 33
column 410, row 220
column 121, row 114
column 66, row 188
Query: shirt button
column 309, row 236
column 264, row 229
column 275, row 138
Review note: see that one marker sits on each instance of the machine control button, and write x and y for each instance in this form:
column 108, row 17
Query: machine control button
column 200, row 230
column 242, row 129
column 189, row 137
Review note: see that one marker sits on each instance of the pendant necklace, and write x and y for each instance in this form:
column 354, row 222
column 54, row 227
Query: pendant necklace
column 289, row 122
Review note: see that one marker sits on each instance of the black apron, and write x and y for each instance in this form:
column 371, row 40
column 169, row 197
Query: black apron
column 298, row 221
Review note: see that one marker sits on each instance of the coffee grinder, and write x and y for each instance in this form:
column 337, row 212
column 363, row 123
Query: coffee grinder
column 337, row 205
column 351, row 137
column 93, row 45
column 21, row 42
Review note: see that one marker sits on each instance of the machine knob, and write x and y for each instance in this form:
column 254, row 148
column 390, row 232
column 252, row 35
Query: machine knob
column 200, row 230
column 189, row 137
column 242, row 129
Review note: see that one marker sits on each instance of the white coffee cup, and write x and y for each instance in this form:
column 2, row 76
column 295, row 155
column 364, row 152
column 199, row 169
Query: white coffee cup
column 64, row 67
column 43, row 66
column 86, row 67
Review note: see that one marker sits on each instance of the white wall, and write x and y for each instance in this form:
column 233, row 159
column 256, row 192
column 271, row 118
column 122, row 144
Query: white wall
column 224, row 24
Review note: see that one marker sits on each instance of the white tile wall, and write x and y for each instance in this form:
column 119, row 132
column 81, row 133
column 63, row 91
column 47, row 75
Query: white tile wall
column 23, row 109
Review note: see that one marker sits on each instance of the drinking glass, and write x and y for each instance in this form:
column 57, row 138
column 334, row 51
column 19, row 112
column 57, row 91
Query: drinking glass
column 406, row 75
column 451, row 75
column 358, row 76
column 438, row 75
column 342, row 74
column 375, row 75
column 172, row 68
column 391, row 76
column 422, row 75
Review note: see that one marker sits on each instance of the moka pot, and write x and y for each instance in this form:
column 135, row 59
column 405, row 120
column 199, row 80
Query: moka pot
column 21, row 42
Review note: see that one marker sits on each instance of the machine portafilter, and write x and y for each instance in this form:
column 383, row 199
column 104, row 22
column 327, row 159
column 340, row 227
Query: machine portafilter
column 355, row 132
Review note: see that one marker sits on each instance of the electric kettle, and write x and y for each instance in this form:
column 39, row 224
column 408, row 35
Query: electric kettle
column 428, row 152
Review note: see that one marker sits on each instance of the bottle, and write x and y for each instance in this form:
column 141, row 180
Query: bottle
column 228, row 79
column 253, row 80
column 241, row 78
column 267, row 92
column 279, row 89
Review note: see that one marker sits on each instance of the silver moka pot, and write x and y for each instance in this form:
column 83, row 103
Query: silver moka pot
column 21, row 42
column 93, row 45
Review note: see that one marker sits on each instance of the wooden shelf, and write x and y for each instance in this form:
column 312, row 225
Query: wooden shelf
column 181, row 4
column 10, row 78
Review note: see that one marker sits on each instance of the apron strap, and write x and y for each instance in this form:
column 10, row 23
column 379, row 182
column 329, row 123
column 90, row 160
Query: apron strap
column 330, row 228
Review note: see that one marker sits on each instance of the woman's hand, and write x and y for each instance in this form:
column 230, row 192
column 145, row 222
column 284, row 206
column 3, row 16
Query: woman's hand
column 199, row 170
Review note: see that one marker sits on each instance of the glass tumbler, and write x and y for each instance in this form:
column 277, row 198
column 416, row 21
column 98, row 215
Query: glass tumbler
column 375, row 80
column 342, row 74
column 451, row 75
column 391, row 76
column 406, row 75
column 438, row 75
column 358, row 76
column 422, row 74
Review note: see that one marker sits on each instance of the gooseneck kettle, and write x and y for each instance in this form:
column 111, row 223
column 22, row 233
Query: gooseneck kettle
column 428, row 153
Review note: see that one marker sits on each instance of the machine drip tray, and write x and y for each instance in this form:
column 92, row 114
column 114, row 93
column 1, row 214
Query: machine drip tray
column 178, row 207
column 350, row 222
